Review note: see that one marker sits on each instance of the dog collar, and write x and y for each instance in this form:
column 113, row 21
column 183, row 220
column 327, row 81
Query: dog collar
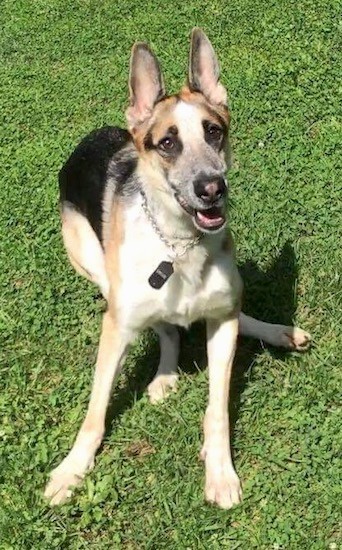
column 165, row 269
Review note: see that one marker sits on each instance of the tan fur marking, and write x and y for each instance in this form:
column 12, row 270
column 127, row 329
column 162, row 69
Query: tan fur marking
column 214, row 114
column 72, row 245
column 164, row 122
column 190, row 97
column 138, row 135
column 209, row 109
column 112, row 247
column 228, row 244
column 83, row 248
column 161, row 118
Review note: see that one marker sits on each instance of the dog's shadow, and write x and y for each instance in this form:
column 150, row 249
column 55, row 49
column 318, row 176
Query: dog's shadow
column 269, row 296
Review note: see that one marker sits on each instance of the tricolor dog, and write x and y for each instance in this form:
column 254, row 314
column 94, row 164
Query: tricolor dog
column 144, row 218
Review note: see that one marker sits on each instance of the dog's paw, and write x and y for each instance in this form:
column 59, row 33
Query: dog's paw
column 294, row 338
column 161, row 386
column 223, row 490
column 60, row 486
column 63, row 480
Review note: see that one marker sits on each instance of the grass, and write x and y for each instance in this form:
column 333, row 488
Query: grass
column 65, row 73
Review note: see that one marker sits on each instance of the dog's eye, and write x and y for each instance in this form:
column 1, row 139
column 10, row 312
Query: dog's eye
column 215, row 132
column 166, row 144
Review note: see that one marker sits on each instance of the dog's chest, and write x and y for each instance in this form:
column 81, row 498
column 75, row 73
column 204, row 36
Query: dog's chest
column 203, row 285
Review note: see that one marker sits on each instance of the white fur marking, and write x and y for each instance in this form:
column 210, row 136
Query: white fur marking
column 189, row 122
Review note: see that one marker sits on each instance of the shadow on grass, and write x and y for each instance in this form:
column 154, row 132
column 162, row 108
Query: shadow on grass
column 269, row 296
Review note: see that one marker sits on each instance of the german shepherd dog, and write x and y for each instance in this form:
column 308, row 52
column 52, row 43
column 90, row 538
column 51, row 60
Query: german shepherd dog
column 144, row 218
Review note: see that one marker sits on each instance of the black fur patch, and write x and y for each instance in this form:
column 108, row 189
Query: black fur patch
column 214, row 134
column 148, row 142
column 83, row 178
column 121, row 172
column 218, row 117
column 172, row 134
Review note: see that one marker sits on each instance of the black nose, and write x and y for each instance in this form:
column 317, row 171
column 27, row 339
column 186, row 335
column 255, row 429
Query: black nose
column 210, row 190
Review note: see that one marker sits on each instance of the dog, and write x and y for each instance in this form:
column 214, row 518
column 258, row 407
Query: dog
column 144, row 217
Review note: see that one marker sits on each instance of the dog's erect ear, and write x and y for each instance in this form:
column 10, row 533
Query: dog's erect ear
column 146, row 85
column 204, row 69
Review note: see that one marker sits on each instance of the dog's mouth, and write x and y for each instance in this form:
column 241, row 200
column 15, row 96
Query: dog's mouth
column 210, row 219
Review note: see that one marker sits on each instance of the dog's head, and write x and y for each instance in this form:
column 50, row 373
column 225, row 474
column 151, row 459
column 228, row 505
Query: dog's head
column 184, row 136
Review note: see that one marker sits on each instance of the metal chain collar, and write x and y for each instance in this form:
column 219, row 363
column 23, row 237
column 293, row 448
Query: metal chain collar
column 173, row 246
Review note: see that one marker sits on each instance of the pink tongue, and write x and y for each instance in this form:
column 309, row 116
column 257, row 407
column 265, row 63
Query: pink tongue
column 209, row 219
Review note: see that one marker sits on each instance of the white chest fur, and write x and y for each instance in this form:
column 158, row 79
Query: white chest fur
column 205, row 283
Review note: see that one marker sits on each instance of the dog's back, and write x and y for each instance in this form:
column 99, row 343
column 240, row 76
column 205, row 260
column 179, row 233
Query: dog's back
column 84, row 176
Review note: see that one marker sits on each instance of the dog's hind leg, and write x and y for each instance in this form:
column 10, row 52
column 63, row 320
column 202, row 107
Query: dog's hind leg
column 166, row 377
column 113, row 346
column 84, row 249
column 278, row 335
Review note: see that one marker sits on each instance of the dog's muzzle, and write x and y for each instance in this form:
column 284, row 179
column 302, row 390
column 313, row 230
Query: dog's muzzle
column 211, row 193
column 209, row 219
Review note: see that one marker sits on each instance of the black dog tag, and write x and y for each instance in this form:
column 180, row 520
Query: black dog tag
column 161, row 275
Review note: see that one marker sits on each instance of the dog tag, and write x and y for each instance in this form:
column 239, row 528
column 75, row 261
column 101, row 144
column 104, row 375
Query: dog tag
column 161, row 275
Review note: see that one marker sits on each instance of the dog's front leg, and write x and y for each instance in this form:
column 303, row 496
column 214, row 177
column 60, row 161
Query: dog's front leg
column 222, row 485
column 71, row 471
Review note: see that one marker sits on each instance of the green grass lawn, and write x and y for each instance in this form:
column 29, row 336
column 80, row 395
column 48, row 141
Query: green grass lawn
column 64, row 73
